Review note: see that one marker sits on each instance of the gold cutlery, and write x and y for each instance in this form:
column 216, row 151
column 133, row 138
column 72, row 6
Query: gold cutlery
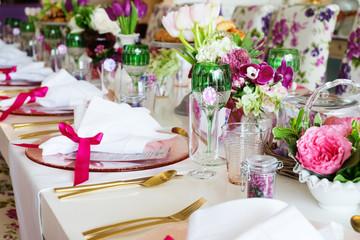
column 153, row 181
column 31, row 124
column 37, row 134
column 355, row 222
column 14, row 91
column 176, row 217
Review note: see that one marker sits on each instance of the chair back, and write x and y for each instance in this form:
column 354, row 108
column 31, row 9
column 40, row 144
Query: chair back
column 308, row 28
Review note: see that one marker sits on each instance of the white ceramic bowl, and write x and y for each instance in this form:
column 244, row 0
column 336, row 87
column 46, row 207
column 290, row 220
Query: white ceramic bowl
column 334, row 196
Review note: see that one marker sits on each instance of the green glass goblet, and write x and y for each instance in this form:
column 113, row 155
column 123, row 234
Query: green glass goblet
column 135, row 60
column 217, row 78
column 27, row 32
column 52, row 36
column 76, row 49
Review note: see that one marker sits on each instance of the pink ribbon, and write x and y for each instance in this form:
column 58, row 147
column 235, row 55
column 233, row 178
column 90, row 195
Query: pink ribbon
column 7, row 72
column 21, row 98
column 83, row 155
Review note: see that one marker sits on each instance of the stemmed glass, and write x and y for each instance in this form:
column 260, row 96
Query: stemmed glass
column 27, row 30
column 211, row 84
column 291, row 56
column 135, row 60
column 78, row 67
column 52, row 36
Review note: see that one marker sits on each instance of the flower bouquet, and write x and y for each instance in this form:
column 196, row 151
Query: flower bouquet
column 327, row 156
column 165, row 64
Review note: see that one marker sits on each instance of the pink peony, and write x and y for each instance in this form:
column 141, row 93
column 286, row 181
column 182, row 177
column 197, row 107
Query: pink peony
column 323, row 150
column 346, row 122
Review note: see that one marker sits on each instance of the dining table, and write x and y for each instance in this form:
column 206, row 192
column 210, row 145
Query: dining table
column 42, row 215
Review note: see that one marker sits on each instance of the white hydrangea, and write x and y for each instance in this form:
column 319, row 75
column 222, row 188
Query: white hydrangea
column 213, row 50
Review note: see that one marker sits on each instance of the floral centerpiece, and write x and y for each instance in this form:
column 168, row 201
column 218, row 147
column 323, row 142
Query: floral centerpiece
column 255, row 87
column 164, row 62
column 327, row 156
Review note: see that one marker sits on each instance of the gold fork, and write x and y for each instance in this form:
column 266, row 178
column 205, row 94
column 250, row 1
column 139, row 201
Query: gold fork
column 31, row 124
column 176, row 217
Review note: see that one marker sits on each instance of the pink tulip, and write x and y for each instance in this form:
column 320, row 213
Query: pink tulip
column 189, row 35
column 183, row 20
column 168, row 22
column 200, row 14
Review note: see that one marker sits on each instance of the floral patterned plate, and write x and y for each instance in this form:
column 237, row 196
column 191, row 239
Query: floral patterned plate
column 178, row 145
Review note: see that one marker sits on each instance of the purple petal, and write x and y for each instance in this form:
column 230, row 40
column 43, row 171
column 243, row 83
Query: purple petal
column 117, row 9
column 83, row 2
column 68, row 6
column 143, row 10
column 137, row 4
column 127, row 8
column 284, row 74
column 110, row 13
column 265, row 75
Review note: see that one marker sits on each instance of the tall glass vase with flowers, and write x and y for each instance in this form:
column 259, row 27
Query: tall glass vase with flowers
column 126, row 15
column 253, row 87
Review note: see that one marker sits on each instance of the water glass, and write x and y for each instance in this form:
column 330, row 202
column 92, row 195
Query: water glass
column 53, row 37
column 203, row 135
column 27, row 32
column 242, row 140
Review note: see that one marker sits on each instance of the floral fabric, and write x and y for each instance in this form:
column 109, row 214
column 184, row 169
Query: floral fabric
column 256, row 19
column 350, row 66
column 9, row 227
column 309, row 28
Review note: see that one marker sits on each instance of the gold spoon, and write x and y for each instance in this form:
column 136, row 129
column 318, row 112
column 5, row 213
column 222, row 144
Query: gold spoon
column 180, row 131
column 154, row 181
column 355, row 222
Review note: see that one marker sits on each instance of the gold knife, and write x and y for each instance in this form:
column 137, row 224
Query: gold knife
column 31, row 124
column 37, row 134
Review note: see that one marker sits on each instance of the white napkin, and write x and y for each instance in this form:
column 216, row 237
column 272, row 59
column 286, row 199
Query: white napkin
column 253, row 219
column 64, row 91
column 34, row 71
column 11, row 56
column 125, row 129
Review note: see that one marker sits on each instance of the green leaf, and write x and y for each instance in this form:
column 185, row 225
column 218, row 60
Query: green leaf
column 282, row 132
column 237, row 40
column 340, row 178
column 317, row 120
column 352, row 160
column 256, row 61
column 299, row 119
column 133, row 18
column 247, row 42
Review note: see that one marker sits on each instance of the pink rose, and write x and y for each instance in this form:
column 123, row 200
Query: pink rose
column 346, row 122
column 323, row 150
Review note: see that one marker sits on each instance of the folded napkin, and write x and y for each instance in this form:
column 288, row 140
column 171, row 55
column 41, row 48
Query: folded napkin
column 125, row 129
column 34, row 71
column 12, row 56
column 63, row 91
column 255, row 218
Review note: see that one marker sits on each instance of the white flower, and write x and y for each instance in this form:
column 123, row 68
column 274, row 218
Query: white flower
column 101, row 22
column 73, row 26
column 27, row 11
column 215, row 49
column 200, row 14
column 189, row 35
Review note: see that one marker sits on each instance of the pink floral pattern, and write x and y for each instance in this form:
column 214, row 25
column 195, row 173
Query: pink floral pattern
column 9, row 228
column 309, row 28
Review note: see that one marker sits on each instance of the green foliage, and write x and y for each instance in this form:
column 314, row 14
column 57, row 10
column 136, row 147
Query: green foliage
column 249, row 45
column 164, row 62
column 82, row 18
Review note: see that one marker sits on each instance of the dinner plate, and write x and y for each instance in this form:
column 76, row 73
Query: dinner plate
column 19, row 82
column 178, row 145
column 38, row 110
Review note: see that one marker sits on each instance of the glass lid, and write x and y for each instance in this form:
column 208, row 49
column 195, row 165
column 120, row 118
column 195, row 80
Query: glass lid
column 324, row 103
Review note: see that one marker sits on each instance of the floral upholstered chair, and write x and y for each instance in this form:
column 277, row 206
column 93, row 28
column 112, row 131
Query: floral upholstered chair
column 256, row 19
column 309, row 28
column 350, row 66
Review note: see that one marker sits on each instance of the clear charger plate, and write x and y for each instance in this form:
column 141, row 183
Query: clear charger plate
column 38, row 110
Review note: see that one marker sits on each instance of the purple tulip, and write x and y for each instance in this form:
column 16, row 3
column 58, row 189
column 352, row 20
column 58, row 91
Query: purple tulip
column 110, row 13
column 127, row 8
column 83, row 2
column 284, row 74
column 142, row 10
column 117, row 9
column 68, row 6
column 258, row 74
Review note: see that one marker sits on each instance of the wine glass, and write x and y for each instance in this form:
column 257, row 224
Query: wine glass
column 135, row 60
column 52, row 36
column 27, row 32
column 76, row 52
column 208, row 79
